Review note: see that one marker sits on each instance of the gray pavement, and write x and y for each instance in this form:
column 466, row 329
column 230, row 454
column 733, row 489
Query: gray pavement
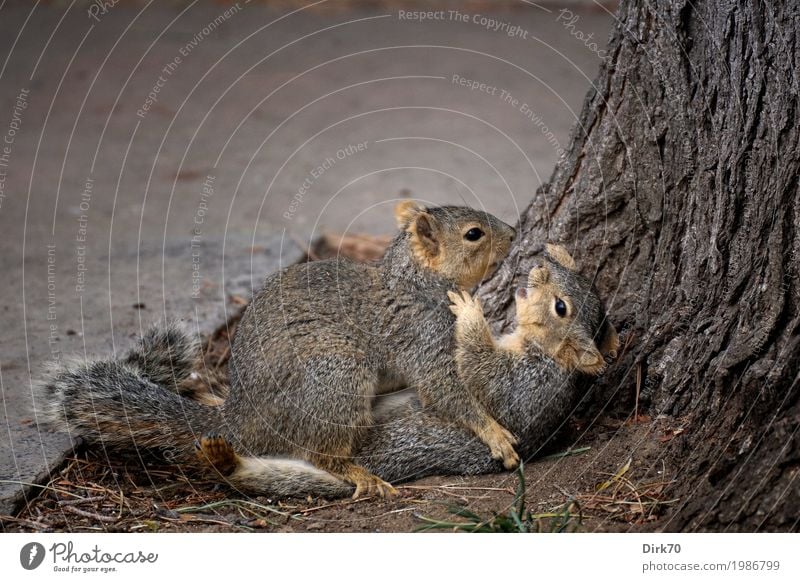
column 158, row 158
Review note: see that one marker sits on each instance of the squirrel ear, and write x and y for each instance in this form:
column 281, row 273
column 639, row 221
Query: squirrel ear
column 538, row 276
column 405, row 212
column 423, row 231
column 583, row 357
column 560, row 255
column 608, row 342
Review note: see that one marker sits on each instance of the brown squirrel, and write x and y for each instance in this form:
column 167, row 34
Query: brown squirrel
column 526, row 379
column 315, row 346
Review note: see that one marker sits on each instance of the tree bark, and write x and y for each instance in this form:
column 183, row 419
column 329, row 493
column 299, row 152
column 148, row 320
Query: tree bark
column 679, row 195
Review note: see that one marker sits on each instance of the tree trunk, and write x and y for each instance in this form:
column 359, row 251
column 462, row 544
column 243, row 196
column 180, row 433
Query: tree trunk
column 679, row 194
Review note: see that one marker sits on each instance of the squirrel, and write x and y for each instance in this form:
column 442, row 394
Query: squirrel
column 314, row 347
column 527, row 379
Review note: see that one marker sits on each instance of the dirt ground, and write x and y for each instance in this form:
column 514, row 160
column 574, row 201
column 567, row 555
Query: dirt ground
column 603, row 474
column 596, row 489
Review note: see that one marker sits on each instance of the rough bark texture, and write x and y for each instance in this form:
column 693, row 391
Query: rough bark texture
column 679, row 193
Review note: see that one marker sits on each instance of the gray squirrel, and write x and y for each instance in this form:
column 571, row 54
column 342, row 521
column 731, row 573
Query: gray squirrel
column 527, row 379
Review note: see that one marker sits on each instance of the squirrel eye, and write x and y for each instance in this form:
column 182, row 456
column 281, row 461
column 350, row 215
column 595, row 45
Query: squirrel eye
column 473, row 234
column 561, row 308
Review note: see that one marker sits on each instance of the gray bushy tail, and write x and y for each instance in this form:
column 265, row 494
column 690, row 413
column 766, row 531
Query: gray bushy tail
column 132, row 402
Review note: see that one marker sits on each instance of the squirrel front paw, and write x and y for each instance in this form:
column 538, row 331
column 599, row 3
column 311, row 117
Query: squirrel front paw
column 501, row 445
column 464, row 304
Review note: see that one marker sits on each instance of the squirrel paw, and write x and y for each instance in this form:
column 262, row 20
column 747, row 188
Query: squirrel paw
column 463, row 303
column 216, row 451
column 368, row 484
column 501, row 445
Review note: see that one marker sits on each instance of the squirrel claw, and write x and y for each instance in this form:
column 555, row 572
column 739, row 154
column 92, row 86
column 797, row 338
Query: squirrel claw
column 511, row 438
column 508, row 455
column 501, row 446
column 511, row 463
column 463, row 301
column 456, row 302
column 374, row 486
column 386, row 491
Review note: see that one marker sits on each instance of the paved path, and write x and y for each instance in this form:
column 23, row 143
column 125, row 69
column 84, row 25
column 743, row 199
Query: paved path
column 152, row 159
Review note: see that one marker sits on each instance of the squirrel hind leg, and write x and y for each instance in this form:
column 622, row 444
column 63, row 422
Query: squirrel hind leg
column 338, row 417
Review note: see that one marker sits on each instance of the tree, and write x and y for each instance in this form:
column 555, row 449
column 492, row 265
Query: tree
column 680, row 191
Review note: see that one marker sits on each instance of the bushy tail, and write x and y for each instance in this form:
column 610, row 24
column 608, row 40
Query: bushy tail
column 133, row 402
column 165, row 355
column 170, row 356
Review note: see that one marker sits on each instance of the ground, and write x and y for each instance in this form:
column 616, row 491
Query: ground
column 118, row 209
column 95, row 493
